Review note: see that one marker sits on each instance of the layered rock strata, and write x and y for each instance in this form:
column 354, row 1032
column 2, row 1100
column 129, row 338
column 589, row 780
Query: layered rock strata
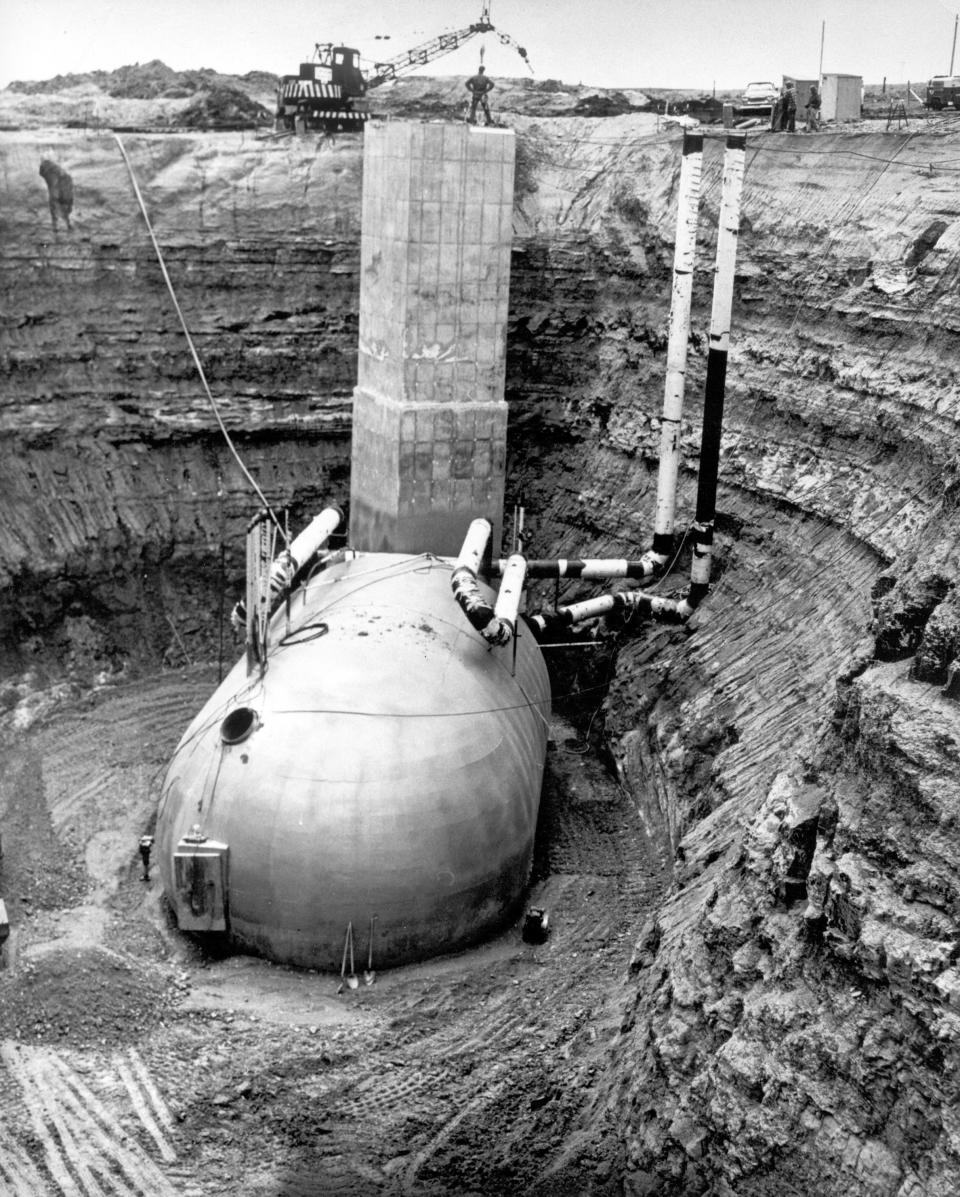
column 790, row 1016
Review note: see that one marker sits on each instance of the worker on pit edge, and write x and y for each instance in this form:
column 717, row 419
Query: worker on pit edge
column 478, row 85
column 788, row 120
column 813, row 109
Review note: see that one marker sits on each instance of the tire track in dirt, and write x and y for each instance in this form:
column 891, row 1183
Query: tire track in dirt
column 85, row 1148
column 147, row 1102
column 121, row 746
column 18, row 1173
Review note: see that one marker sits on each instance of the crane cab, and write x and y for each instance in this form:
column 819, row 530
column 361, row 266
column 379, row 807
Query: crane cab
column 336, row 65
column 345, row 68
column 327, row 94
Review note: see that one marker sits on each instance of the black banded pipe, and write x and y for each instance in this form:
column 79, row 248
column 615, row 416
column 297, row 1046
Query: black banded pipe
column 495, row 625
column 679, row 610
column 626, row 602
column 728, row 232
column 588, row 568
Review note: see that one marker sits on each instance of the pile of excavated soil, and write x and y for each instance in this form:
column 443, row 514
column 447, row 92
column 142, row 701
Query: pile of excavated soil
column 82, row 996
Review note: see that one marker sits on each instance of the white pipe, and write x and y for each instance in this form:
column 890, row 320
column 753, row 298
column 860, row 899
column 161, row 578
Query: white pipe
column 685, row 248
column 680, row 610
column 507, row 607
column 628, row 602
column 587, row 568
column 286, row 565
column 728, row 233
column 494, row 629
column 302, row 548
column 474, row 545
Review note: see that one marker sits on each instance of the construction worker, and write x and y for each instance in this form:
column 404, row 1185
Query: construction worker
column 478, row 85
column 813, row 109
column 146, row 843
column 788, row 120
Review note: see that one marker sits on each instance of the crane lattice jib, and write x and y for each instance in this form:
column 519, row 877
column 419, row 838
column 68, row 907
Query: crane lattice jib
column 420, row 55
column 445, row 43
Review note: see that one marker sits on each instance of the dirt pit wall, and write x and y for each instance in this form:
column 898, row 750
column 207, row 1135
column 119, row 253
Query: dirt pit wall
column 788, row 1012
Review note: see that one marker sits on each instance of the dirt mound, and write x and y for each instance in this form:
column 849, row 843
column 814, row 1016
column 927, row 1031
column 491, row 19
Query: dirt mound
column 143, row 96
column 148, row 81
column 222, row 106
column 613, row 104
column 81, row 996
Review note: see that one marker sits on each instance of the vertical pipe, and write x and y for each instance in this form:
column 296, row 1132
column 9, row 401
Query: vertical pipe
column 727, row 234
column 688, row 211
column 953, row 48
column 507, row 607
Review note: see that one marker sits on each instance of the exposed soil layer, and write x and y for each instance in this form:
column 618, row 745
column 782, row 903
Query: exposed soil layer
column 747, row 838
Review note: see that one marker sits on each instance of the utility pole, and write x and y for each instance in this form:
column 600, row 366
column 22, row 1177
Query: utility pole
column 953, row 48
column 823, row 34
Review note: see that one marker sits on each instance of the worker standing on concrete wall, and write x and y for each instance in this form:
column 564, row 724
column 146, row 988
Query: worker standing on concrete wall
column 478, row 85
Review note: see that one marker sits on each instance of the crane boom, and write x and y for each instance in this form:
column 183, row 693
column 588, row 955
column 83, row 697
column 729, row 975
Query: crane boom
column 436, row 47
column 329, row 92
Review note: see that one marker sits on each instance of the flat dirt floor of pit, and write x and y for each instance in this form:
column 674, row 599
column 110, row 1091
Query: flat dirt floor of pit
column 133, row 1062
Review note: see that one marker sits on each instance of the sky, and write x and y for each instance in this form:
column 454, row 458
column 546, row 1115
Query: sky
column 698, row 44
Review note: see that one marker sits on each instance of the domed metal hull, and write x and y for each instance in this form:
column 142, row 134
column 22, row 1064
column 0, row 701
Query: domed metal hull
column 384, row 771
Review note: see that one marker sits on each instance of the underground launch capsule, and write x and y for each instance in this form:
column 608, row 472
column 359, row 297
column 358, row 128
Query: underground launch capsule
column 383, row 773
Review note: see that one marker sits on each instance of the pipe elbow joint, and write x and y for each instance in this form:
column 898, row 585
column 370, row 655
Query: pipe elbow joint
column 497, row 633
column 478, row 611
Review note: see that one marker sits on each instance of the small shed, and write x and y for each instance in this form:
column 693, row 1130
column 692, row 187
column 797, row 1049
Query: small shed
column 842, row 98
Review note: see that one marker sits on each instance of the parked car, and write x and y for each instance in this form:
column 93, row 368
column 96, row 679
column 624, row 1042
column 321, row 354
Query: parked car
column 761, row 93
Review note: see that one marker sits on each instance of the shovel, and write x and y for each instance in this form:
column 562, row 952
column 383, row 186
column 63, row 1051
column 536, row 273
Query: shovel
column 369, row 975
column 351, row 982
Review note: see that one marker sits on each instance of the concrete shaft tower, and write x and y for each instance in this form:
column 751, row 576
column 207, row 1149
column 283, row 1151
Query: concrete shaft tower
column 429, row 417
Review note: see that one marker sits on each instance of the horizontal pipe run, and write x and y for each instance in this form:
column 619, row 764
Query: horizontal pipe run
column 588, row 568
column 627, row 603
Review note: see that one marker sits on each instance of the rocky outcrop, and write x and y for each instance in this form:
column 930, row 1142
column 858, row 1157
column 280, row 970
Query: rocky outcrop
column 790, row 1012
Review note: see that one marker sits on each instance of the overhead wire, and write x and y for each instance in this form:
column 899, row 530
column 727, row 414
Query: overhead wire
column 196, row 358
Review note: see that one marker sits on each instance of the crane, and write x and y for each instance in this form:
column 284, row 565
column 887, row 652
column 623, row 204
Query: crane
column 329, row 94
column 436, row 47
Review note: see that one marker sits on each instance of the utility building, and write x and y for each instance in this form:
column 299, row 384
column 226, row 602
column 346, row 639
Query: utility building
column 842, row 97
